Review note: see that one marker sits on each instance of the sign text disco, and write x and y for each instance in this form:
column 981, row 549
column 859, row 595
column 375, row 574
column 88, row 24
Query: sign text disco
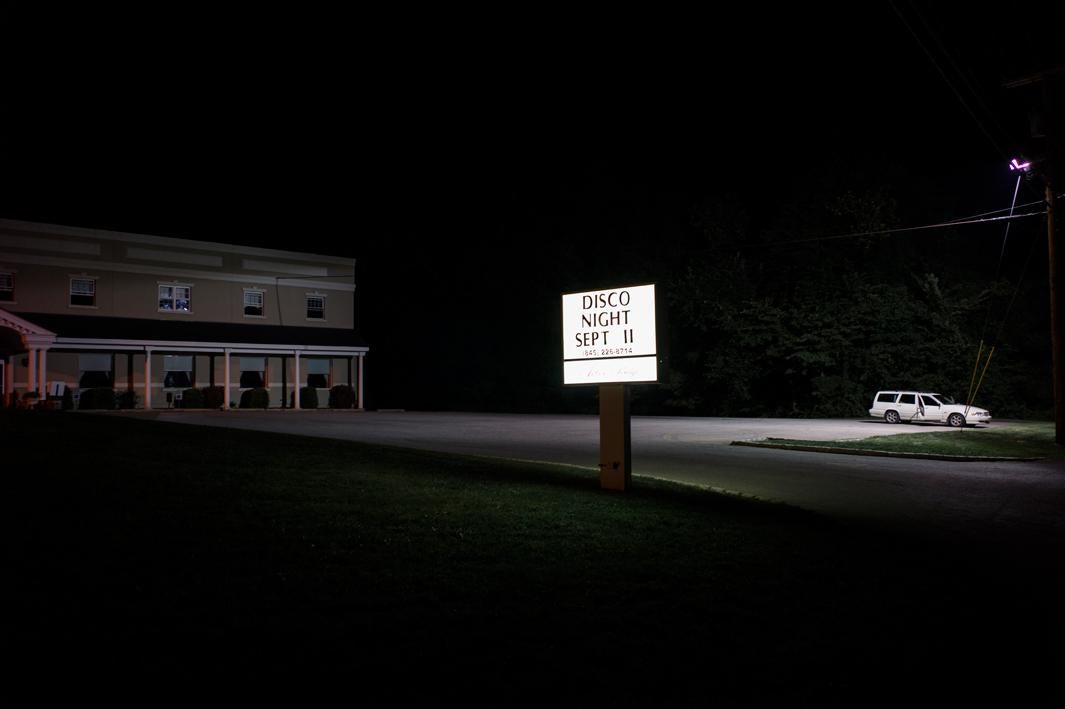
column 608, row 336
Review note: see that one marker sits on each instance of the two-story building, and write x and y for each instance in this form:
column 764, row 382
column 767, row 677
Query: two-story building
column 83, row 308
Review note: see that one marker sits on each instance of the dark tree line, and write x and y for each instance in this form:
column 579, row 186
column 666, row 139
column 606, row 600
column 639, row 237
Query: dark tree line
column 765, row 316
column 765, row 326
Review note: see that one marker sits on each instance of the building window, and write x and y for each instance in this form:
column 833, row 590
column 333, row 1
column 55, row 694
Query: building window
column 316, row 307
column 318, row 373
column 252, row 372
column 94, row 371
column 175, row 298
column 253, row 303
column 83, row 291
column 177, row 372
column 7, row 288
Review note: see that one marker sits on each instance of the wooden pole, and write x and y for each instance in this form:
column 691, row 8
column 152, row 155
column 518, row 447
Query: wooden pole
column 1055, row 321
column 615, row 438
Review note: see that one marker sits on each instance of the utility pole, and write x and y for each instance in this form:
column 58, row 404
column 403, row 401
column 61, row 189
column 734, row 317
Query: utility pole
column 1054, row 255
column 1046, row 137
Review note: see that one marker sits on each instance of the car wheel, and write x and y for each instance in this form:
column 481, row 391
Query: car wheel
column 956, row 420
column 892, row 417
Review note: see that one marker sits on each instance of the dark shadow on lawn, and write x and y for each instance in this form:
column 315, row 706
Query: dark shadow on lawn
column 921, row 424
column 194, row 550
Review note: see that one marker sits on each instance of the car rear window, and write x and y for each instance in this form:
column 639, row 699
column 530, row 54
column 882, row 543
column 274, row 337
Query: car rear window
column 908, row 399
column 886, row 398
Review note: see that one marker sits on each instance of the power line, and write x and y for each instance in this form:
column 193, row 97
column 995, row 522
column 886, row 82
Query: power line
column 973, row 91
column 998, row 335
column 1016, row 291
column 990, row 305
column 950, row 84
column 1006, row 236
column 997, row 211
column 923, row 227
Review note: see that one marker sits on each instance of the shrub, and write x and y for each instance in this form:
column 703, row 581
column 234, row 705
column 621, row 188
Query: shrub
column 341, row 396
column 257, row 398
column 99, row 398
column 214, row 397
column 192, row 399
column 126, row 399
column 308, row 398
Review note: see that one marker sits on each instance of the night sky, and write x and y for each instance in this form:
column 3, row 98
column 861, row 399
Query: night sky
column 473, row 161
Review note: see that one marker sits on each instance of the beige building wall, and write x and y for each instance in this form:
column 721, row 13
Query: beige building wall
column 129, row 268
column 131, row 295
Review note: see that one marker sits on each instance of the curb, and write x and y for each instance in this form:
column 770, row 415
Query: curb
column 884, row 454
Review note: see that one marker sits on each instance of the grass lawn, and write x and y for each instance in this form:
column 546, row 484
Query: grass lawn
column 1018, row 439
column 138, row 551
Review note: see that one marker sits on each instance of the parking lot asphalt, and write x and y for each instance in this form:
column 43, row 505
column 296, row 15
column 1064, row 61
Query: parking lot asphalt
column 984, row 500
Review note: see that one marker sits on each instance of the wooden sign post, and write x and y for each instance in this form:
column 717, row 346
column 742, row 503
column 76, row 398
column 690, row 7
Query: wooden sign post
column 615, row 437
column 610, row 340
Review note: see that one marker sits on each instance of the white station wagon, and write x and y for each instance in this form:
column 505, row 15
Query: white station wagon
column 899, row 406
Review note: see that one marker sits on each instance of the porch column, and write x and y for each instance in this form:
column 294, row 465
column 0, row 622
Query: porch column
column 147, row 378
column 9, row 381
column 360, row 406
column 284, row 382
column 296, row 383
column 31, row 370
column 225, row 385
column 42, row 374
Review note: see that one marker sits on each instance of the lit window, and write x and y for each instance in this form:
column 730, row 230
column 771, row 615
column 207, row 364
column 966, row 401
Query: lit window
column 83, row 291
column 177, row 380
column 316, row 307
column 253, row 303
column 252, row 372
column 178, row 371
column 7, row 287
column 318, row 373
column 175, row 298
column 94, row 370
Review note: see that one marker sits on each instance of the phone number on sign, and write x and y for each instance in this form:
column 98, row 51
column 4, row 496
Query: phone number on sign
column 607, row 352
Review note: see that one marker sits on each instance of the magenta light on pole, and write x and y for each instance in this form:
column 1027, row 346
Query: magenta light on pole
column 1022, row 166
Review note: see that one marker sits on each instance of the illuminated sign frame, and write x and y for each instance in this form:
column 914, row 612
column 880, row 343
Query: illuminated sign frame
column 610, row 336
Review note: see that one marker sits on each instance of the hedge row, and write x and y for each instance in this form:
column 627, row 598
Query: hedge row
column 103, row 398
column 341, row 396
column 257, row 398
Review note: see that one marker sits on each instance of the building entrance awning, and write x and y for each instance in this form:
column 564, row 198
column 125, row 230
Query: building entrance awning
column 31, row 333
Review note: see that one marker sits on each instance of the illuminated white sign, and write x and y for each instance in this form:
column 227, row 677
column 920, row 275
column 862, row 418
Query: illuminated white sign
column 608, row 336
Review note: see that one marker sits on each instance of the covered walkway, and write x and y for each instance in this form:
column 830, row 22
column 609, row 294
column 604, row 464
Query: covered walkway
column 156, row 360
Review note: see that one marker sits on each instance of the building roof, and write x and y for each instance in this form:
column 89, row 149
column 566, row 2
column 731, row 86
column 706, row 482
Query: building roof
column 17, row 226
column 109, row 328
